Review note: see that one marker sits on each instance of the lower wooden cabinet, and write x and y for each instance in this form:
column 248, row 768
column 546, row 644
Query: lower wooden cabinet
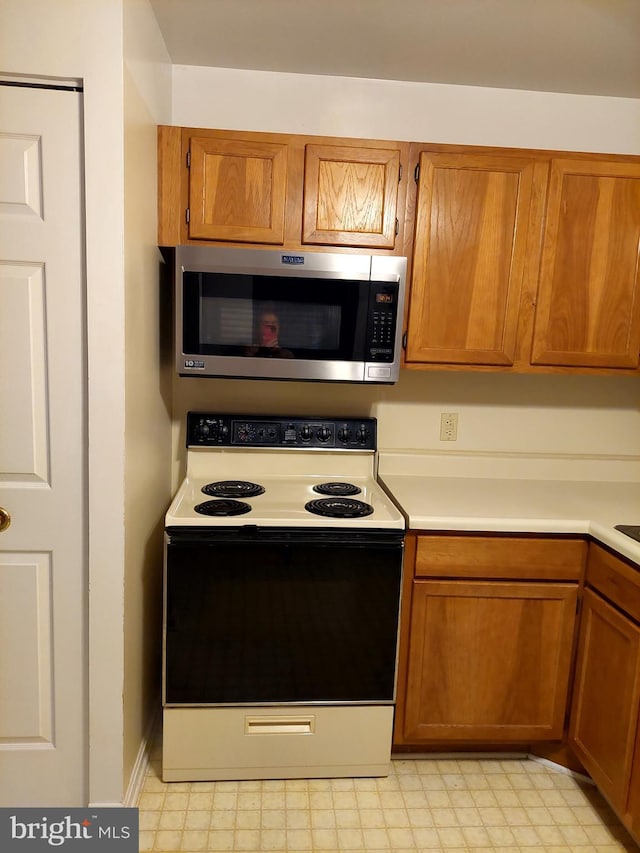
column 486, row 660
column 606, row 699
column 489, row 661
column 605, row 716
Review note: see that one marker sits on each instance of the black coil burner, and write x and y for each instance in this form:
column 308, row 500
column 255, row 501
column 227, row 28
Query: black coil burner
column 339, row 508
column 337, row 489
column 233, row 489
column 222, row 507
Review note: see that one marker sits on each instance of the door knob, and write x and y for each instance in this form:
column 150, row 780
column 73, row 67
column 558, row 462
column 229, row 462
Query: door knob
column 5, row 519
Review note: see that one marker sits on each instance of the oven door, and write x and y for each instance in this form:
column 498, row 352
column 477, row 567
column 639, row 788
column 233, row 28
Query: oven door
column 280, row 616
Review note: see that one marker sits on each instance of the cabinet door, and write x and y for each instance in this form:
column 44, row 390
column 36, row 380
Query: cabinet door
column 237, row 190
column 606, row 697
column 471, row 240
column 488, row 661
column 350, row 196
column 588, row 305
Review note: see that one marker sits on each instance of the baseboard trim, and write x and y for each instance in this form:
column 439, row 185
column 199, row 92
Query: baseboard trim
column 136, row 782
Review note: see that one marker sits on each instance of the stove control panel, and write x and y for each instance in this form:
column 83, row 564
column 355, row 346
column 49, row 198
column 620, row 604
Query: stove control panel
column 213, row 430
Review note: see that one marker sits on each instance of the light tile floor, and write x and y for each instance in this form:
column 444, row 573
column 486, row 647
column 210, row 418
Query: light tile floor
column 454, row 806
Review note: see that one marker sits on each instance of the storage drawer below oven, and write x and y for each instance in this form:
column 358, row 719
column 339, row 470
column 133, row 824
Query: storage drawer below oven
column 278, row 742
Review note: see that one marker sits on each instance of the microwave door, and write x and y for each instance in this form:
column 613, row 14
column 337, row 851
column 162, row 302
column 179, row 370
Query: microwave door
column 236, row 322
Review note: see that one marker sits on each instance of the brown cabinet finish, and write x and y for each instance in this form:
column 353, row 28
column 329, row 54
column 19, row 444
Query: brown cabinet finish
column 489, row 661
column 606, row 698
column 470, row 244
column 487, row 638
column 588, row 306
column 500, row 558
column 350, row 196
column 287, row 190
column 237, row 190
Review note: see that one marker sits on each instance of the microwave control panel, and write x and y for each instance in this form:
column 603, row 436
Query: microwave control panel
column 383, row 319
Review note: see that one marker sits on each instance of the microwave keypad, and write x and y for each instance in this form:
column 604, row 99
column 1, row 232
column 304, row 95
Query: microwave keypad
column 381, row 335
column 383, row 328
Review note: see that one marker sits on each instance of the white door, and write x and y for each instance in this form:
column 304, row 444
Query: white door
column 43, row 586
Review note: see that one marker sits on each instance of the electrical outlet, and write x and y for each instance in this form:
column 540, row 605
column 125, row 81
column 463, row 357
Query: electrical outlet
column 449, row 426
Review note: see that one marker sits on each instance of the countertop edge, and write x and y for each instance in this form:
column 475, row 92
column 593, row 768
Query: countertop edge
column 595, row 517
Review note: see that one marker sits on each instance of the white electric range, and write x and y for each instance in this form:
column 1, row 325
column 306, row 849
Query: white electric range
column 281, row 605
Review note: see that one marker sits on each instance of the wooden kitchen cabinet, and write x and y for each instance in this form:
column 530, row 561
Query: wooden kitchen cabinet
column 473, row 237
column 487, row 639
column 351, row 196
column 283, row 190
column 588, row 303
column 237, row 190
column 606, row 701
column 607, row 692
column 525, row 261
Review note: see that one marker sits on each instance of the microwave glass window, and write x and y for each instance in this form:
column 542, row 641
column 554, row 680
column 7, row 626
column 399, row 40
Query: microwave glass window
column 268, row 316
column 226, row 321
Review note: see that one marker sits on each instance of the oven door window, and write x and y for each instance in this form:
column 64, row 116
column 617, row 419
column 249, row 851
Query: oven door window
column 278, row 623
column 273, row 317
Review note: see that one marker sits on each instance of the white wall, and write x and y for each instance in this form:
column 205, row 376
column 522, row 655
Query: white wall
column 544, row 414
column 147, row 103
column 421, row 112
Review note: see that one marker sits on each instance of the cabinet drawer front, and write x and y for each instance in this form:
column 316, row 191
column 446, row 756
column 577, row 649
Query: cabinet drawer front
column 615, row 579
column 496, row 557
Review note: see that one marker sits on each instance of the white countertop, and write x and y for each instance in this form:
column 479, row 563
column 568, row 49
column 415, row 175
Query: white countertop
column 515, row 504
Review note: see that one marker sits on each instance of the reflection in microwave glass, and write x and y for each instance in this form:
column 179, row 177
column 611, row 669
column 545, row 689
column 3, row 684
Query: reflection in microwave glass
column 263, row 329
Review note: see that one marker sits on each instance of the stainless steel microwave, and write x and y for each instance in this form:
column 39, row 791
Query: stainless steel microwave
column 270, row 314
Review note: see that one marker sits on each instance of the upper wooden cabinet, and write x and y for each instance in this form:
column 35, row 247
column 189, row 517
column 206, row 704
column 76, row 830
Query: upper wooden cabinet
column 350, row 196
column 588, row 307
column 279, row 190
column 525, row 261
column 470, row 250
column 237, row 190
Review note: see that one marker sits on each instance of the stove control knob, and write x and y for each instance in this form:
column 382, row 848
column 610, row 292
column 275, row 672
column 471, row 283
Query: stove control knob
column 344, row 434
column 324, row 434
column 305, row 432
column 362, row 434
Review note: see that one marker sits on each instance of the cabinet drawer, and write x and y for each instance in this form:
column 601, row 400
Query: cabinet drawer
column 614, row 579
column 520, row 558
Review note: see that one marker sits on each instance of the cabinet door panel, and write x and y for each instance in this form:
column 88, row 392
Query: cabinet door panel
column 469, row 258
column 488, row 661
column 588, row 311
column 237, row 190
column 350, row 196
column 606, row 697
